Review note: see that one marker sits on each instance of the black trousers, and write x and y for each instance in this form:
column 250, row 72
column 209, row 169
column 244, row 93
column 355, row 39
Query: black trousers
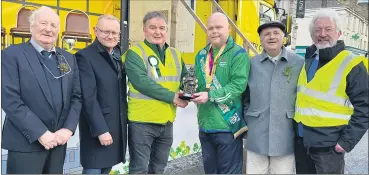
column 323, row 160
column 40, row 162
column 221, row 153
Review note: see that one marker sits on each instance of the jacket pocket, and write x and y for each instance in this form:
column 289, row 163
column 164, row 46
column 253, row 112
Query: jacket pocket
column 290, row 114
column 252, row 114
column 106, row 110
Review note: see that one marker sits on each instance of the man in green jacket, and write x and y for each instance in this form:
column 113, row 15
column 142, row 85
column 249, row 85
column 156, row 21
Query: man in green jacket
column 222, row 70
column 154, row 72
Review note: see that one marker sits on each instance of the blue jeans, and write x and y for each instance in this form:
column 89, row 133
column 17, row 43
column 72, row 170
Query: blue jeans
column 221, row 153
column 96, row 170
column 149, row 146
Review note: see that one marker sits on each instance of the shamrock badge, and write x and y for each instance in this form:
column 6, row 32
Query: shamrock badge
column 288, row 73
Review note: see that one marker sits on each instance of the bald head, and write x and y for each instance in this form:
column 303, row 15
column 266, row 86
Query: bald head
column 218, row 29
column 218, row 16
column 45, row 27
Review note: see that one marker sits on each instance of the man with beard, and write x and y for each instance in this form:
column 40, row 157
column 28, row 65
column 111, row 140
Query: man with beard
column 332, row 100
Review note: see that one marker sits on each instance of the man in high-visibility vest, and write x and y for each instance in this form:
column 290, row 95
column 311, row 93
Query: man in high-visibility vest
column 154, row 72
column 332, row 100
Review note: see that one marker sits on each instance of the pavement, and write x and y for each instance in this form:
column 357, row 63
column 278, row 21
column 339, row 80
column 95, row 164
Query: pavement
column 356, row 161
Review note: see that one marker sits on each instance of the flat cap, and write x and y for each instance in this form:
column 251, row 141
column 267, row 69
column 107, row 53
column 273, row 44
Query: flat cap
column 272, row 24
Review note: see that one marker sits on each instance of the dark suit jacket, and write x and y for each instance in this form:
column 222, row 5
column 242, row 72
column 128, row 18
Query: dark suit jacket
column 104, row 107
column 27, row 101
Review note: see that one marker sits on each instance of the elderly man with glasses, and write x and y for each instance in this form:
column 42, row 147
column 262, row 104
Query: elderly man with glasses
column 103, row 122
column 41, row 97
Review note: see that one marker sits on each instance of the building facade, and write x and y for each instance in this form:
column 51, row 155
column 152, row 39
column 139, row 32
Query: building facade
column 354, row 28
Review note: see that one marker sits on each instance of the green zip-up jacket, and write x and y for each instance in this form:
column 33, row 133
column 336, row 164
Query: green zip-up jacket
column 137, row 75
column 232, row 72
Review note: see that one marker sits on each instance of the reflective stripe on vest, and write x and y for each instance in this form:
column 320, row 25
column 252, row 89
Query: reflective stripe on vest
column 159, row 79
column 139, row 96
column 330, row 95
column 317, row 111
column 320, row 113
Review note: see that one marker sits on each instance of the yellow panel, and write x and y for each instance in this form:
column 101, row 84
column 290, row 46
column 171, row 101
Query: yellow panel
column 102, row 7
column 248, row 22
column 75, row 5
column 44, row 2
column 270, row 2
column 93, row 22
column 9, row 12
column 203, row 10
column 116, row 9
column 228, row 7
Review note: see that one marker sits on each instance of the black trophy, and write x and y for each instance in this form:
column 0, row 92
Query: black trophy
column 189, row 85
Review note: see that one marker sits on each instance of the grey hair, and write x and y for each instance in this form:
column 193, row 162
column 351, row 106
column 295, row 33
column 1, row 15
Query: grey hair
column 108, row 17
column 34, row 13
column 325, row 13
column 154, row 14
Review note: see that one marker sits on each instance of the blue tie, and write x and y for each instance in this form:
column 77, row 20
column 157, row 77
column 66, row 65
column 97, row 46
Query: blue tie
column 310, row 76
column 313, row 68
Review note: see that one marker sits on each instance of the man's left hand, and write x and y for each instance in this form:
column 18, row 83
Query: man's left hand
column 63, row 135
column 201, row 97
column 339, row 149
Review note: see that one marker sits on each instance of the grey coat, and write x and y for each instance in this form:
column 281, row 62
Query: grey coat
column 270, row 103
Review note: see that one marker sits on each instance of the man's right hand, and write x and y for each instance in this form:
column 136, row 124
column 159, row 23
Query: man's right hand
column 105, row 139
column 48, row 140
column 179, row 102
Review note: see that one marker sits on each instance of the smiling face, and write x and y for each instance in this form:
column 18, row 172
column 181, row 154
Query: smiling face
column 45, row 28
column 325, row 33
column 272, row 38
column 218, row 30
column 107, row 31
column 155, row 31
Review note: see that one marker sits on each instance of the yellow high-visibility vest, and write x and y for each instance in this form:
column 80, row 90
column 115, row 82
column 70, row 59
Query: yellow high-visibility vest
column 142, row 108
column 323, row 101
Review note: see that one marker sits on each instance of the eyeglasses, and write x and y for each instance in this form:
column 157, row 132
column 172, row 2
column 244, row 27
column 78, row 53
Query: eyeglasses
column 107, row 33
column 63, row 64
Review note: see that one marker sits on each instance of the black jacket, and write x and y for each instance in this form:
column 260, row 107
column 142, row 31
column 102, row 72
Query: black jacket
column 357, row 89
column 104, row 108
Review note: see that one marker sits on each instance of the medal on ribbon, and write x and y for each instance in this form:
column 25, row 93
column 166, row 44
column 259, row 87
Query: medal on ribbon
column 211, row 65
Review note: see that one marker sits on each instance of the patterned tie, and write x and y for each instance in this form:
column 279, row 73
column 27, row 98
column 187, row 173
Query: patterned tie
column 46, row 53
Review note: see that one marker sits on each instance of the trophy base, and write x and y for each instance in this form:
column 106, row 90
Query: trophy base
column 186, row 96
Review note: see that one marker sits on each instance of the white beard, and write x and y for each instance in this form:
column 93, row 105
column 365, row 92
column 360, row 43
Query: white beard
column 323, row 46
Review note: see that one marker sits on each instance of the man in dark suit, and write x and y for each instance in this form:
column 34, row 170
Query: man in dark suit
column 41, row 98
column 103, row 121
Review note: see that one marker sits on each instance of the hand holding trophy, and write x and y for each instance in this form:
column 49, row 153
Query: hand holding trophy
column 190, row 85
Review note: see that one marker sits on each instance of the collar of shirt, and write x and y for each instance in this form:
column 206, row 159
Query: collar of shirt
column 276, row 58
column 282, row 54
column 39, row 48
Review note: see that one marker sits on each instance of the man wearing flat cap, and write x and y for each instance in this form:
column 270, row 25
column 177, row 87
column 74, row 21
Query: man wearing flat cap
column 269, row 104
